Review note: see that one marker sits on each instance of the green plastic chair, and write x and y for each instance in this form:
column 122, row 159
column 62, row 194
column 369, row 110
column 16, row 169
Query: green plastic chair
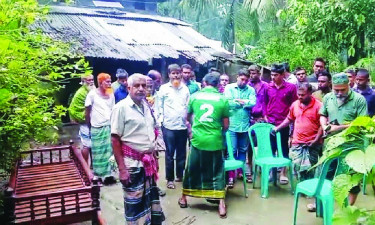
column 321, row 189
column 264, row 158
column 232, row 164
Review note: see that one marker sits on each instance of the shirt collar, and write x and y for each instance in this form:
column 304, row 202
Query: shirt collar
column 210, row 89
column 312, row 102
column 170, row 85
column 367, row 91
column 236, row 86
column 272, row 84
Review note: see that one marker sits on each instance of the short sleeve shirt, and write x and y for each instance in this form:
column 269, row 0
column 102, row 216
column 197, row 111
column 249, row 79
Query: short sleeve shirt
column 306, row 121
column 135, row 127
column 354, row 106
column 209, row 108
column 101, row 108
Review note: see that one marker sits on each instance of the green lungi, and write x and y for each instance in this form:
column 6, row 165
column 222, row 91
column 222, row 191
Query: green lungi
column 101, row 150
column 204, row 174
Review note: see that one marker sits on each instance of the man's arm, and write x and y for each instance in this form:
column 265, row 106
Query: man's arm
column 225, row 124
column 117, row 152
column 88, row 116
column 233, row 104
column 251, row 101
column 317, row 137
column 189, row 118
column 284, row 124
column 328, row 128
column 159, row 107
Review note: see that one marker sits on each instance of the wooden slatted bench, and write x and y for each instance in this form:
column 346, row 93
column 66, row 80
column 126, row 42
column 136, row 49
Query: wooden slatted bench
column 52, row 186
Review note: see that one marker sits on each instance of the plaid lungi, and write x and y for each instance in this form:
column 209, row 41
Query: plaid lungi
column 101, row 150
column 204, row 174
column 141, row 199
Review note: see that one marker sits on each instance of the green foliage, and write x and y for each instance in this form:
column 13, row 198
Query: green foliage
column 31, row 65
column 342, row 185
column 342, row 25
column 355, row 146
column 279, row 44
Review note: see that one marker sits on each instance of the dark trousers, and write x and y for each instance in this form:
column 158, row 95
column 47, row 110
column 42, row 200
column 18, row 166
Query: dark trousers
column 284, row 134
column 175, row 142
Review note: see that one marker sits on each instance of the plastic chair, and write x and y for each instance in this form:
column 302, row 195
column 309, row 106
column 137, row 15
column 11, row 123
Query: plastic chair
column 232, row 164
column 321, row 189
column 264, row 158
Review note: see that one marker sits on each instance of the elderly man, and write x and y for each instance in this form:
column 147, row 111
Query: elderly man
column 122, row 91
column 279, row 97
column 307, row 133
column 324, row 85
column 340, row 107
column 156, row 77
column 171, row 108
column 210, row 111
column 119, row 73
column 186, row 75
column 77, row 113
column 363, row 87
column 99, row 104
column 241, row 99
column 133, row 140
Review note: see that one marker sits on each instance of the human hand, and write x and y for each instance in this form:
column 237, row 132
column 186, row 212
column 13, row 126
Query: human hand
column 124, row 177
column 240, row 101
column 313, row 143
column 290, row 142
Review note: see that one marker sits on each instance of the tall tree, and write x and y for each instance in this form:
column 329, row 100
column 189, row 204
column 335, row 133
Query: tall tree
column 343, row 25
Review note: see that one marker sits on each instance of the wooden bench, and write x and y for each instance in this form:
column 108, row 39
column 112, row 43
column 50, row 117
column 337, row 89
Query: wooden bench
column 52, row 186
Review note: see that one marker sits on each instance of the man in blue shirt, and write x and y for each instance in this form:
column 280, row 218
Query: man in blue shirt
column 241, row 98
column 362, row 87
column 121, row 92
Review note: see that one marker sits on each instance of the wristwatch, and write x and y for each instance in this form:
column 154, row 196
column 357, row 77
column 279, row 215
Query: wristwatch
column 327, row 128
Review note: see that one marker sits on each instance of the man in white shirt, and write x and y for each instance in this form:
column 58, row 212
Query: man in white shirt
column 171, row 104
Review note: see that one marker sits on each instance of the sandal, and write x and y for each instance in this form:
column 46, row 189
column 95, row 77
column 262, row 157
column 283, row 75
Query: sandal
column 284, row 180
column 230, row 183
column 311, row 207
column 162, row 193
column 182, row 204
column 249, row 179
column 170, row 185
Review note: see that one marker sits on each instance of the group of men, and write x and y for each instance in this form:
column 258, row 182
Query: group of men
column 141, row 111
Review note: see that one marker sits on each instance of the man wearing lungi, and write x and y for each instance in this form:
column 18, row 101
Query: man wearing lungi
column 133, row 140
column 204, row 173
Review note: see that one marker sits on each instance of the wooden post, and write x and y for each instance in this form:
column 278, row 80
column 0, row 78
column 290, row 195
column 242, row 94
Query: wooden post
column 9, row 205
column 95, row 195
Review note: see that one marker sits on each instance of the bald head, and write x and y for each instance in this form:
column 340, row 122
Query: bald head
column 156, row 78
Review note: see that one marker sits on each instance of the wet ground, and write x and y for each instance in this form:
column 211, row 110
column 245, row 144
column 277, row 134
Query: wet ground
column 254, row 210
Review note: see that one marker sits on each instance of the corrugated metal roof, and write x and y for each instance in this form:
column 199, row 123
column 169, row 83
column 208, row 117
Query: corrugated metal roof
column 111, row 33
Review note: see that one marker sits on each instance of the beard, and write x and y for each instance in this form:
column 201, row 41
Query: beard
column 341, row 98
column 91, row 87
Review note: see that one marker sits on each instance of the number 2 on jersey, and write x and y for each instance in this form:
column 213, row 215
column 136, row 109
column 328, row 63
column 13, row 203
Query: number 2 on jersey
column 206, row 117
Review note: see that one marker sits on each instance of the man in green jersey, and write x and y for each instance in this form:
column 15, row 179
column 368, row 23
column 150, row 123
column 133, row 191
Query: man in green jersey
column 204, row 173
